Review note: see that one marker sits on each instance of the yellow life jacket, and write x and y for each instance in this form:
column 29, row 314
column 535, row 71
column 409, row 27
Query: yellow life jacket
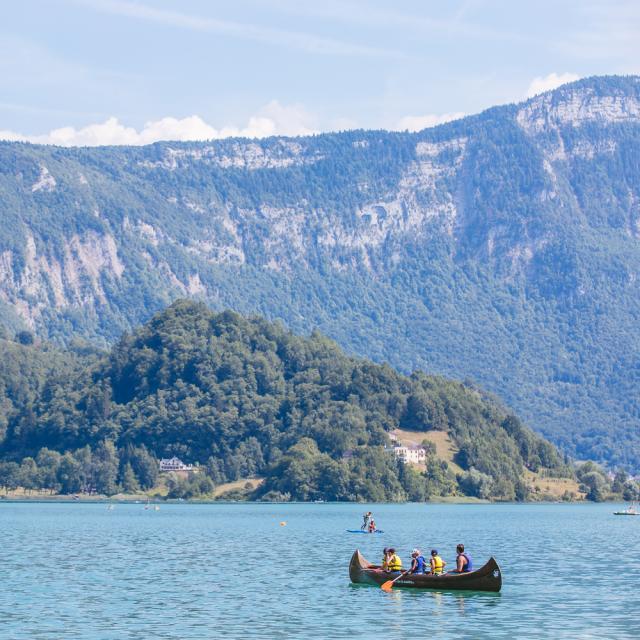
column 438, row 565
column 395, row 564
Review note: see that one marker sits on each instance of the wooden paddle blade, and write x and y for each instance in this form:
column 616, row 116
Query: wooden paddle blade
column 387, row 586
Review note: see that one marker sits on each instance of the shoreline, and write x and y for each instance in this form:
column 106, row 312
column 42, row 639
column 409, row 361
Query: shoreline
column 57, row 499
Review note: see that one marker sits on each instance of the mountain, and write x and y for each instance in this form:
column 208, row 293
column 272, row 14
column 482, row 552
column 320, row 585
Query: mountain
column 502, row 248
column 246, row 397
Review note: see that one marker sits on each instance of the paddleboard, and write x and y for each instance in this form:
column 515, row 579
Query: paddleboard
column 361, row 531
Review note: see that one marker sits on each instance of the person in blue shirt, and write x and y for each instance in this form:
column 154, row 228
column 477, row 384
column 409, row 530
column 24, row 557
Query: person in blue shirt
column 418, row 563
column 463, row 561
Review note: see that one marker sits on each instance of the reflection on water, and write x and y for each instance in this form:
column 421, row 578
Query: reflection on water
column 186, row 572
column 440, row 603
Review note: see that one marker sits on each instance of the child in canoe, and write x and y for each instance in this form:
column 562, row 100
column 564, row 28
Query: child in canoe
column 437, row 563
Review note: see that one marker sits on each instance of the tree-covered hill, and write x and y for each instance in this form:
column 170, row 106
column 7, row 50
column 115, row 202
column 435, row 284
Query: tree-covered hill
column 502, row 248
column 245, row 397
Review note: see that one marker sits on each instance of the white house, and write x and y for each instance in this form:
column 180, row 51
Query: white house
column 416, row 455
column 175, row 464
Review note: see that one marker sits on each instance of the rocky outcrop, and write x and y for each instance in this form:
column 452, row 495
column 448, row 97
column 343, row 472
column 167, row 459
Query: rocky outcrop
column 239, row 155
column 433, row 196
column 46, row 282
column 576, row 106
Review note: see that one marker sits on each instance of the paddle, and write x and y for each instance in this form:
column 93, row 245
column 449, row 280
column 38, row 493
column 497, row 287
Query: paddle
column 388, row 585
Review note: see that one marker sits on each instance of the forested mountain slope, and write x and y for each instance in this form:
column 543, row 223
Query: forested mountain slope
column 245, row 397
column 502, row 247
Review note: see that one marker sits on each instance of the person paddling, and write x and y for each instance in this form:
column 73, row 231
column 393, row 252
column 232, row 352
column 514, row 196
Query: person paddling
column 463, row 561
column 365, row 520
column 437, row 563
column 418, row 563
column 385, row 559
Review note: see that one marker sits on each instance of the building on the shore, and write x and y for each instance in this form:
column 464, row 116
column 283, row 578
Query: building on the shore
column 414, row 455
column 175, row 465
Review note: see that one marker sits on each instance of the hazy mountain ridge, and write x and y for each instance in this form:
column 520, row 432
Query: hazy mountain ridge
column 503, row 246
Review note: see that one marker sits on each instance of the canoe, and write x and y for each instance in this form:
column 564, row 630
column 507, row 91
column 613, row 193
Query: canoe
column 486, row 578
column 361, row 531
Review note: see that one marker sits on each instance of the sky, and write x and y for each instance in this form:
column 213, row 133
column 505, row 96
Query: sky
column 88, row 72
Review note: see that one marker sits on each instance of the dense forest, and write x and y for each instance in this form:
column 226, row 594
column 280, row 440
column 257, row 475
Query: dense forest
column 244, row 397
column 501, row 248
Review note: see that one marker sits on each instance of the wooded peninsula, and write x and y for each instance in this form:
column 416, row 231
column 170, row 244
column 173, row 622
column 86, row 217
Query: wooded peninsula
column 237, row 398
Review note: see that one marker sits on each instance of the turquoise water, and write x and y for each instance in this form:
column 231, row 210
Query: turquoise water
column 203, row 571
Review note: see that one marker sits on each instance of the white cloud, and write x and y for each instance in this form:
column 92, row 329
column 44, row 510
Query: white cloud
column 417, row 123
column 272, row 119
column 552, row 81
column 277, row 119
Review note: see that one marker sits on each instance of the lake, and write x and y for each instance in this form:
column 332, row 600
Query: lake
column 72, row 570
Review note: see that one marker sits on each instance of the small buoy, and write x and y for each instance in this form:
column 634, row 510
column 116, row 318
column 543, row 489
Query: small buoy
column 283, row 524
